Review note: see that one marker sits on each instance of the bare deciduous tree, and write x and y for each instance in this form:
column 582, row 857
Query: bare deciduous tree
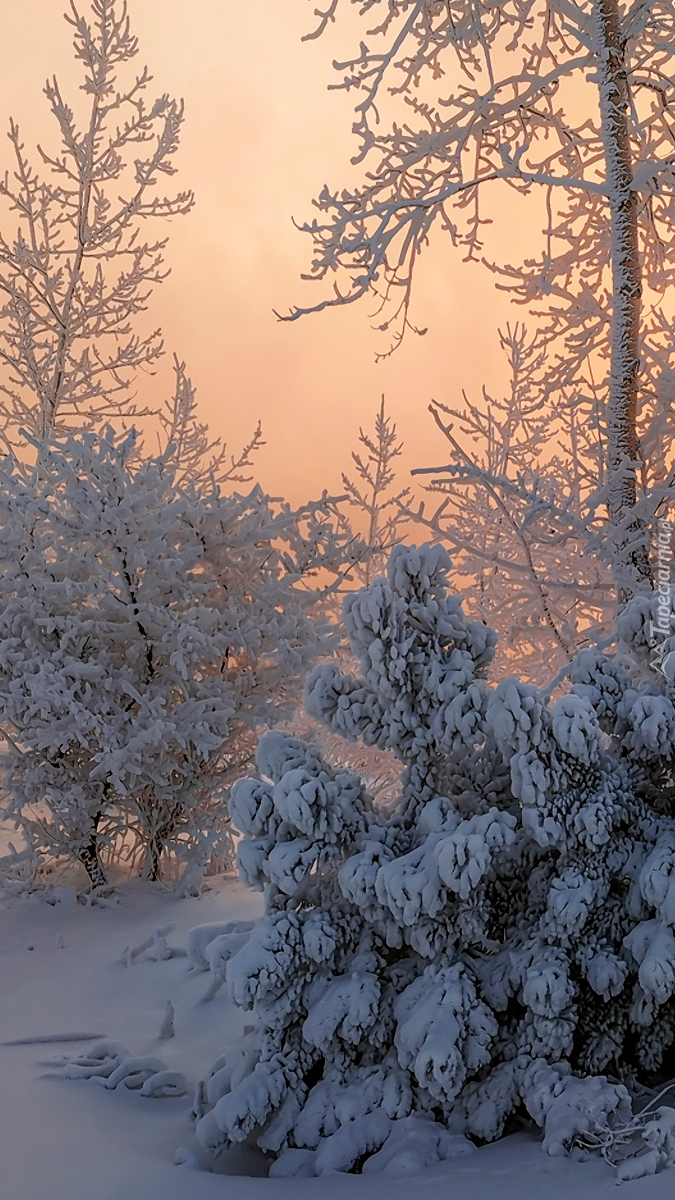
column 573, row 98
column 80, row 267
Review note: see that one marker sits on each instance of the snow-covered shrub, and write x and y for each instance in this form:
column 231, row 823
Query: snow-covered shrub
column 146, row 629
column 492, row 946
column 25, row 874
column 111, row 1064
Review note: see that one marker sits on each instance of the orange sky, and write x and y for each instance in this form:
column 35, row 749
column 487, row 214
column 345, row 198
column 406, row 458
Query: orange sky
column 262, row 135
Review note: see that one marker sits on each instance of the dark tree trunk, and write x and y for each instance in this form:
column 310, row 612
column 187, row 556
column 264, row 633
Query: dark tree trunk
column 154, row 855
column 92, row 864
column 156, row 846
column 631, row 567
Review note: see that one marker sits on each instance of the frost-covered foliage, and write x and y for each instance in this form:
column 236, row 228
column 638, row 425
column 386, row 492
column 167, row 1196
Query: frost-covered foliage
column 489, row 948
column 640, row 1146
column 146, row 629
column 21, row 878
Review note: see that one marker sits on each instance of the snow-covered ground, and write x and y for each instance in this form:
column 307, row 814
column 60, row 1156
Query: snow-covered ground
column 63, row 1140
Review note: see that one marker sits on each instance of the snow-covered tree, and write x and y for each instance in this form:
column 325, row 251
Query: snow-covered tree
column 186, row 441
column 81, row 270
column 515, row 509
column 372, row 494
column 147, row 627
column 369, row 515
column 568, row 103
column 489, row 946
column 81, row 267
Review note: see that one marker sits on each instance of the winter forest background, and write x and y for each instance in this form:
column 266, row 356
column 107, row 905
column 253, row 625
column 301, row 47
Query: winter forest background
column 427, row 716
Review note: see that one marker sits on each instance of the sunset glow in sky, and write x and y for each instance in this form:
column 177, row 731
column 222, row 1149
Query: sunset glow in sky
column 262, row 135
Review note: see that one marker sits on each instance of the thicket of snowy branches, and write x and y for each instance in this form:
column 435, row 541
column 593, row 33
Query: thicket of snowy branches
column 147, row 627
column 512, row 508
column 495, row 942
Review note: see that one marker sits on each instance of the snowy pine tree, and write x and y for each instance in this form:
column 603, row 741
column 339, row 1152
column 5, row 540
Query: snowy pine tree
column 491, row 944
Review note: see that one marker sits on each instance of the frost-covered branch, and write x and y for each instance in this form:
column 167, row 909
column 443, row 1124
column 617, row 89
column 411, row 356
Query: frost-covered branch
column 186, row 444
column 376, row 504
column 516, row 506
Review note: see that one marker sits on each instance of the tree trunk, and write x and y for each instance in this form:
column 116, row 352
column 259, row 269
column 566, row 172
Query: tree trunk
column 154, row 855
column 632, row 571
column 158, row 839
column 156, row 846
column 92, row 864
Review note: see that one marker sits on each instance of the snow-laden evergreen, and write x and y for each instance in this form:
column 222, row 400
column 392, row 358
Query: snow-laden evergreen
column 146, row 629
column 493, row 943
